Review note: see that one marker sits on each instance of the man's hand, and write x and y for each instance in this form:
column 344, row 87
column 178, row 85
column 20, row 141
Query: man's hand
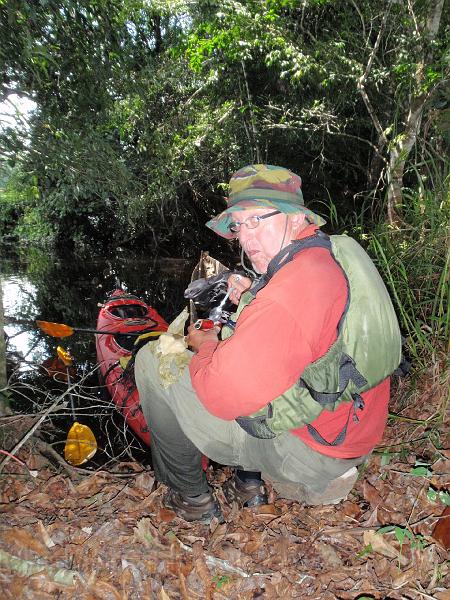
column 196, row 337
column 239, row 285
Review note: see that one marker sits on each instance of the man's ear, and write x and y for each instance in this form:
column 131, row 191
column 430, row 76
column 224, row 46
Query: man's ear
column 298, row 222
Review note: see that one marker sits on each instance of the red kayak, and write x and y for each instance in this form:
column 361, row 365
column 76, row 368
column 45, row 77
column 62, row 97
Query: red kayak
column 124, row 316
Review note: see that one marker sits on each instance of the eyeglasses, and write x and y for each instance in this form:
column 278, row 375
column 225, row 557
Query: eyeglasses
column 251, row 222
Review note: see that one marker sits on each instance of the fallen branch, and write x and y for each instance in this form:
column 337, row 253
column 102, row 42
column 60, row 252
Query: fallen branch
column 35, row 426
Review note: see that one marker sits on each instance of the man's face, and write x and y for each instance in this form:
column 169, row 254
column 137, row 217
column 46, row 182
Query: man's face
column 269, row 237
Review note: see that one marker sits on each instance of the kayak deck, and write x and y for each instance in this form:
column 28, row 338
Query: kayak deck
column 124, row 316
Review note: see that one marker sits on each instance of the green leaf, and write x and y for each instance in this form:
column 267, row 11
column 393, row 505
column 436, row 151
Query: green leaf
column 400, row 533
column 365, row 551
column 386, row 458
column 386, row 529
column 420, row 471
column 220, row 580
column 432, row 495
column 444, row 497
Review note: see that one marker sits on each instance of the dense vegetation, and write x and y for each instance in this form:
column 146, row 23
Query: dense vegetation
column 144, row 109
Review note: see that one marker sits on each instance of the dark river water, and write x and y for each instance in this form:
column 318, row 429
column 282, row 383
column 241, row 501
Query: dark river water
column 38, row 285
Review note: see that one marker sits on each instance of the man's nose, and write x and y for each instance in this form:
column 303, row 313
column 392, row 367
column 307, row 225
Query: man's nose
column 245, row 233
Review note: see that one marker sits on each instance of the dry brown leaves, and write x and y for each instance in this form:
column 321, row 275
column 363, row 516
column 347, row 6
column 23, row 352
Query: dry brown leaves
column 106, row 537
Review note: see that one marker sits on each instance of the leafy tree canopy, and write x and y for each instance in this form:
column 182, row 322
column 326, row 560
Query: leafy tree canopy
column 145, row 108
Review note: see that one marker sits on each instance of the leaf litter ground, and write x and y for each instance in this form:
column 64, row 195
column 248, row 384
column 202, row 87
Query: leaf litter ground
column 68, row 533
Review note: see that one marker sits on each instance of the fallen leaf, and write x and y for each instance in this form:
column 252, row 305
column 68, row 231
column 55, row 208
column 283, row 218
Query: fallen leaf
column 178, row 567
column 23, row 539
column 163, row 594
column 267, row 509
column 144, row 481
column 217, row 535
column 146, row 533
column 385, row 516
column 371, row 494
column 404, row 577
column 253, row 546
column 91, row 485
column 126, row 578
column 329, row 555
column 165, row 515
column 105, row 591
column 246, row 517
column 381, row 546
column 441, row 531
column 351, row 509
column 45, row 536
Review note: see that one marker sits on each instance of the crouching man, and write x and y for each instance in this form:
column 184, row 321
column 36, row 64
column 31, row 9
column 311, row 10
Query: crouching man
column 295, row 391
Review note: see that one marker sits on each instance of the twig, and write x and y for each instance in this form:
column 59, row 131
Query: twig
column 411, row 420
column 433, row 517
column 33, row 429
column 426, row 595
column 32, row 473
column 47, row 449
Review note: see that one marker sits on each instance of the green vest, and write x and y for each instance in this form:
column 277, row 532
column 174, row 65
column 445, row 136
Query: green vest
column 366, row 351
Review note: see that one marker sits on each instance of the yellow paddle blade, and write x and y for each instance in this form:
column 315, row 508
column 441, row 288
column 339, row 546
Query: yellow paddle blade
column 148, row 335
column 81, row 444
column 124, row 360
column 64, row 355
column 55, row 329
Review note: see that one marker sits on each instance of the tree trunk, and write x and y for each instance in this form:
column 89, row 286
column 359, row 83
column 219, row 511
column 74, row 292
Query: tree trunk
column 397, row 160
column 399, row 153
column 3, row 379
column 254, row 129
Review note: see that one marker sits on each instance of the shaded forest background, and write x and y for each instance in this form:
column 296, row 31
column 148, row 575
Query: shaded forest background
column 144, row 110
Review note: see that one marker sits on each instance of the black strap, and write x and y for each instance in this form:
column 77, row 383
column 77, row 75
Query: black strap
column 347, row 372
column 318, row 240
column 257, row 426
column 111, row 367
column 405, row 366
column 358, row 403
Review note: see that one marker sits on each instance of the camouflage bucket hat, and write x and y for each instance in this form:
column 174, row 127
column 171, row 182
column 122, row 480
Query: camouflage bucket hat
column 263, row 186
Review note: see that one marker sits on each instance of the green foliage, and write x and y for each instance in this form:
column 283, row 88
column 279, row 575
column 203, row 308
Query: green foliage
column 144, row 109
column 402, row 533
column 16, row 194
column 415, row 261
column 438, row 495
column 220, row 580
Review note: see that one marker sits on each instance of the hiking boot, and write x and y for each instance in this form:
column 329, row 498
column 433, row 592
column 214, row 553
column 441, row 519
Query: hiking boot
column 246, row 493
column 202, row 508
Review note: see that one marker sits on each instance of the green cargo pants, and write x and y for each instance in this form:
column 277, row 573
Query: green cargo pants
column 182, row 430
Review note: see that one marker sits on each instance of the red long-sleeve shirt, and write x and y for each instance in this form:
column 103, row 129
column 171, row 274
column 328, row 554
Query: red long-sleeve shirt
column 291, row 323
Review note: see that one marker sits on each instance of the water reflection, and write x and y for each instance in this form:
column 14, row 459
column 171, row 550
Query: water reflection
column 68, row 290
column 19, row 292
